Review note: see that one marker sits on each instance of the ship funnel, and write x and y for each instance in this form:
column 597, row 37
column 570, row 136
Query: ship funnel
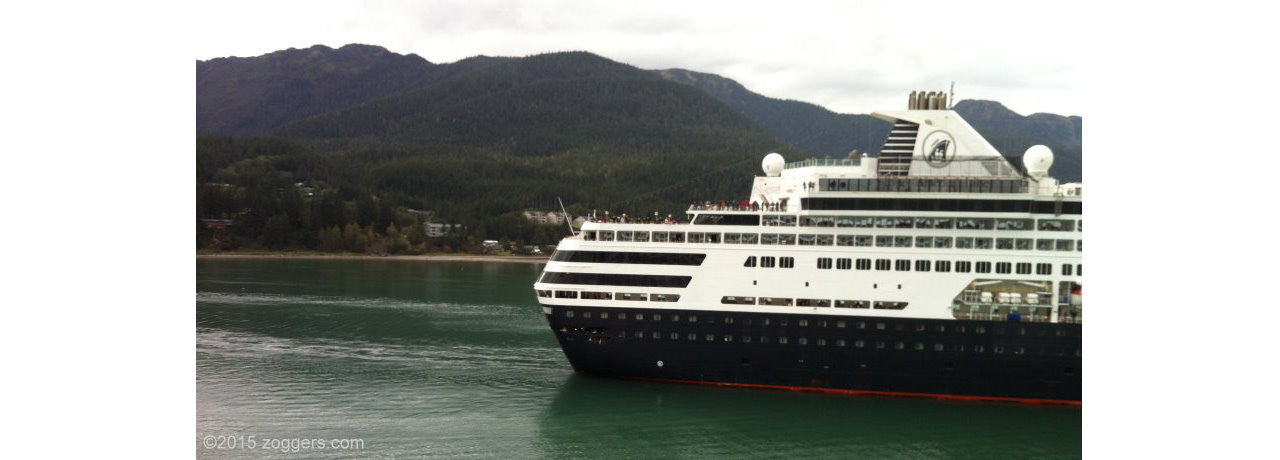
column 927, row 100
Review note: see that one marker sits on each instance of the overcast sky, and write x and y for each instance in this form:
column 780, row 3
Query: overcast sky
column 850, row 57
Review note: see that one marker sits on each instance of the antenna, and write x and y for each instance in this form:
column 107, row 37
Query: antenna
column 951, row 100
column 566, row 217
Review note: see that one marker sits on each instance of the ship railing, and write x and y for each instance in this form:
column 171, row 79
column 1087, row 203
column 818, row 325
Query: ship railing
column 741, row 206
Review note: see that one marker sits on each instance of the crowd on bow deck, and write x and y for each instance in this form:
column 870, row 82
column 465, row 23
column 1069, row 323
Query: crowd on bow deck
column 625, row 219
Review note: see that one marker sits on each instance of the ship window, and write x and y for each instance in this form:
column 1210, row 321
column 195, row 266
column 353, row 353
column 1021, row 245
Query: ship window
column 631, row 296
column 775, row 220
column 606, row 235
column 824, row 263
column 1044, row 269
column 899, row 345
column 786, row 262
column 728, row 320
column 1063, row 245
column 776, row 301
column 844, row 240
column 544, row 293
column 1055, row 225
column 1022, row 244
column 941, row 241
column 782, row 340
column 657, row 316
column 639, row 316
column 604, row 315
column 864, row 264
column 924, row 241
column 862, row 240
column 728, row 338
column 589, row 235
column 883, row 264
column 695, row 237
column 711, row 237
column 566, row 294
column 902, row 241
column 694, row 319
column 750, row 262
column 802, row 341
column 769, row 238
column 659, row 237
column 942, row 265
column 982, row 267
column 824, row 303
column 974, row 224
column 978, row 348
column 822, row 342
column 844, row 264
column 624, row 236
column 1079, row 245
column 1004, row 243
column 902, row 265
column 612, row 279
column 1044, row 245
column 586, row 314
column 608, row 257
column 746, row 339
column 642, row 237
column 676, row 237
column 568, row 313
column 1079, row 270
column 884, row 240
column 999, row 349
column 924, row 222
column 840, row 324
column 962, row 266
column 1024, row 268
column 982, row 243
column 711, row 337
column 964, row 242
column 622, row 315
column 1066, row 269
column 665, row 297
column 1004, row 267
column 787, row 239
column 764, row 339
column 844, row 221
column 889, row 306
column 597, row 295
column 750, row 238
column 727, row 219
column 766, row 261
column 732, row 238
column 692, row 336
column 852, row 304
column 1013, row 224
column 944, row 223
column 922, row 265
column 824, row 240
column 880, row 326
column 919, row 346
column 675, row 318
column 863, row 222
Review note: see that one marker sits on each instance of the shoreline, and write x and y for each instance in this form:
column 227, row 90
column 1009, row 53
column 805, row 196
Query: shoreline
column 427, row 257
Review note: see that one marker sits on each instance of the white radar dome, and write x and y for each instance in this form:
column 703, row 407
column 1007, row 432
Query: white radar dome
column 773, row 164
column 1038, row 159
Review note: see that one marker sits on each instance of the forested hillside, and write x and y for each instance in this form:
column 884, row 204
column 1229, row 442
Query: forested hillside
column 474, row 145
column 356, row 148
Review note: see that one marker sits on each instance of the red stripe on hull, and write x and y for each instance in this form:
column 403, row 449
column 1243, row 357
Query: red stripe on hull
column 872, row 392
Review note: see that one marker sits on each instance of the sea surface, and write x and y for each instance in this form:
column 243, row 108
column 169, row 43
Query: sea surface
column 403, row 358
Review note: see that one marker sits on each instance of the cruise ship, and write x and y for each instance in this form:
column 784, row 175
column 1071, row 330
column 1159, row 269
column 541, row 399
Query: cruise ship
column 936, row 269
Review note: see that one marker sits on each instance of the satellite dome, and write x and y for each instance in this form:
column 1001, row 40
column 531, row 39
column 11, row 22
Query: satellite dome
column 1037, row 160
column 773, row 164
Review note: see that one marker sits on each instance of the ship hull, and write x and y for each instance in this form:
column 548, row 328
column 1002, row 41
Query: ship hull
column 985, row 360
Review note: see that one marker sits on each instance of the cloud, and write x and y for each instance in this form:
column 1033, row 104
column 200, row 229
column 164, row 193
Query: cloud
column 851, row 57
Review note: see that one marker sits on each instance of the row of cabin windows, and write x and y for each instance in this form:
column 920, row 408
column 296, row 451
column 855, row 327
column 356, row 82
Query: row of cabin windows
column 612, row 279
column 914, row 184
column 632, row 296
column 894, row 241
column 855, row 343
column 770, row 262
column 902, row 265
column 959, row 223
column 822, row 303
column 611, row 257
column 942, row 205
column 821, row 323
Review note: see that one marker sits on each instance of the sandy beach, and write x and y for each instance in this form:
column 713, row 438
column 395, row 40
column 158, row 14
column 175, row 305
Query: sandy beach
column 439, row 257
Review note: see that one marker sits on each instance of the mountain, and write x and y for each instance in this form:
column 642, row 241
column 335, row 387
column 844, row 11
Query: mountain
column 1012, row 134
column 295, row 142
column 822, row 133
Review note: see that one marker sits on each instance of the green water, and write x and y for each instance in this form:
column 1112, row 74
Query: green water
column 420, row 359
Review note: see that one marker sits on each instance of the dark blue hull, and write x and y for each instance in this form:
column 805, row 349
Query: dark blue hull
column 945, row 358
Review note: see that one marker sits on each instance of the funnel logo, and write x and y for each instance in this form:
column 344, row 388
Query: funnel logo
column 939, row 149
